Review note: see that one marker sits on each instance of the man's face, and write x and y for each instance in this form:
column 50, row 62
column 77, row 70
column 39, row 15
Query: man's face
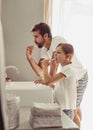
column 38, row 39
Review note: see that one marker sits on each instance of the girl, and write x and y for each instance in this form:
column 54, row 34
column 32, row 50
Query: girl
column 64, row 91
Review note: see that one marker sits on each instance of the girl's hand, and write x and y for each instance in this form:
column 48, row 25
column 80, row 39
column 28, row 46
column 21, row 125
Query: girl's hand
column 45, row 62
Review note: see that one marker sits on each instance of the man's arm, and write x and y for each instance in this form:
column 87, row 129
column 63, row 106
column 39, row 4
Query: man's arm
column 36, row 67
column 46, row 74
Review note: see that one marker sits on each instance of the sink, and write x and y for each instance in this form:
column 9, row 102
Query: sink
column 29, row 92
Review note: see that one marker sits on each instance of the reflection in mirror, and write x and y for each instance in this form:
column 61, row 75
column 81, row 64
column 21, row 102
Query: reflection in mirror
column 18, row 17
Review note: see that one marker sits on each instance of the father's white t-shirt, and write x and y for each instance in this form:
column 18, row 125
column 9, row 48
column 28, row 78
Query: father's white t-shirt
column 47, row 54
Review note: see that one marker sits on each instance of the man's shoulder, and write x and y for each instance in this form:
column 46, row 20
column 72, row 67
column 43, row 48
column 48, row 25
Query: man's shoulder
column 59, row 39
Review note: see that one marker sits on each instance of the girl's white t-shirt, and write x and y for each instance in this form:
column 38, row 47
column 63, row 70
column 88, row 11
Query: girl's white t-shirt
column 65, row 92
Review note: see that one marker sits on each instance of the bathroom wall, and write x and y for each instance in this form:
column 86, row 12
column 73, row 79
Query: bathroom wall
column 18, row 17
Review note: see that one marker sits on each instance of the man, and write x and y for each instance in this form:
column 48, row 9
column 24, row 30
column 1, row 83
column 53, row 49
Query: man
column 43, row 39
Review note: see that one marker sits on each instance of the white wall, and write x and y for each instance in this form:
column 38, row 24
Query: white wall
column 18, row 17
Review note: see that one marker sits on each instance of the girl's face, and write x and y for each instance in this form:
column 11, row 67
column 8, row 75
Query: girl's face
column 60, row 56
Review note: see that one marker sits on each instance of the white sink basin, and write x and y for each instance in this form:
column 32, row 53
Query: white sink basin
column 29, row 92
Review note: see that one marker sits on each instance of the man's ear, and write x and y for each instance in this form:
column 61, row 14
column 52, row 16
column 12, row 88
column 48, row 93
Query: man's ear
column 45, row 35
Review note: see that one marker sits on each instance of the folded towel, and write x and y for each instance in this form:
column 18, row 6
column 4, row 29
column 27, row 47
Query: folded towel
column 45, row 115
column 45, row 109
column 13, row 107
column 47, row 121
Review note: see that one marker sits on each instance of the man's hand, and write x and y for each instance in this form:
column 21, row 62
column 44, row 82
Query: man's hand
column 29, row 50
column 39, row 81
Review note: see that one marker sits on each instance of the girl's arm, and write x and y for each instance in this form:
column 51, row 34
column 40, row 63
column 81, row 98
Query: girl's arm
column 46, row 74
column 48, row 79
column 55, row 78
column 53, row 65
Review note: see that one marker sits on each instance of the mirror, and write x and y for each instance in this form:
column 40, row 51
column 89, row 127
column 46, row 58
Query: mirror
column 18, row 17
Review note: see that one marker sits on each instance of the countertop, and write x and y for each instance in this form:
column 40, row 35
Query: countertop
column 67, row 123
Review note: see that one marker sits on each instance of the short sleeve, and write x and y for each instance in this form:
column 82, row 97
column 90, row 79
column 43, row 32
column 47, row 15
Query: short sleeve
column 67, row 70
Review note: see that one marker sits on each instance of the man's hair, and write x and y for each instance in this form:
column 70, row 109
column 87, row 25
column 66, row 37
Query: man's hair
column 43, row 28
column 67, row 48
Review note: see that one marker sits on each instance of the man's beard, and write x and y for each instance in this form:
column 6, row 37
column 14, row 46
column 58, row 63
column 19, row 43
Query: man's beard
column 40, row 45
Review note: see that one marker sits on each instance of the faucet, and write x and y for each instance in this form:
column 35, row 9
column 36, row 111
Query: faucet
column 11, row 67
